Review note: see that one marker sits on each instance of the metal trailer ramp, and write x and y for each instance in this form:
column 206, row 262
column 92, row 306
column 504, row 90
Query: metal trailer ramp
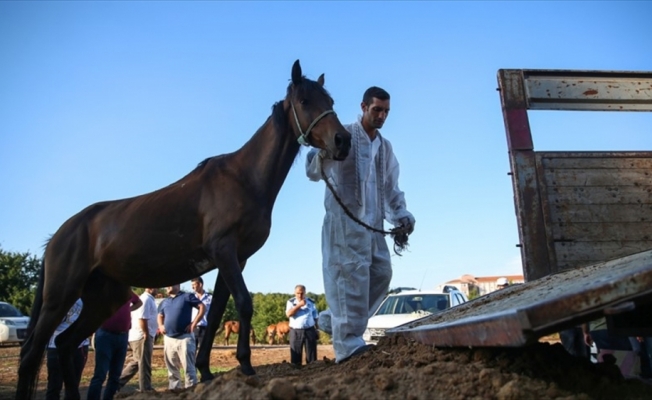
column 584, row 222
column 576, row 208
column 521, row 314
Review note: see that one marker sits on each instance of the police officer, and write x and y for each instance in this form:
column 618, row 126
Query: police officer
column 302, row 313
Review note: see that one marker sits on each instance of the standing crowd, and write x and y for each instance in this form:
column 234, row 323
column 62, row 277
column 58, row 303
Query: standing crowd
column 180, row 318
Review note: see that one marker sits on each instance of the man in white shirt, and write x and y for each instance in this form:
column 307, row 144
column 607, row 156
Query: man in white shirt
column 206, row 298
column 141, row 342
column 55, row 378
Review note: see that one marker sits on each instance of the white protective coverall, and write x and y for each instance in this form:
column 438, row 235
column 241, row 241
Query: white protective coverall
column 356, row 261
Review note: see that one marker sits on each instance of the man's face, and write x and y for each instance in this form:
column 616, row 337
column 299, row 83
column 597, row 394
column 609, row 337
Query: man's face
column 197, row 287
column 375, row 113
column 174, row 289
column 299, row 293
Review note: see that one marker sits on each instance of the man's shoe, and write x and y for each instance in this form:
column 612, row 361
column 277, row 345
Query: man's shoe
column 357, row 352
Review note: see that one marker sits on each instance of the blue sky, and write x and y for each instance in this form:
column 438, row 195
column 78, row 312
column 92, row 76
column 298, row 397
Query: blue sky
column 107, row 100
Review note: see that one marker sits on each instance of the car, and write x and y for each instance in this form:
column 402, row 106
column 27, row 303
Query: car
column 13, row 324
column 409, row 305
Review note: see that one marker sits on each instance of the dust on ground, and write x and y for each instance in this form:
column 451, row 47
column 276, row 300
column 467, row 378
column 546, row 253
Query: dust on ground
column 398, row 368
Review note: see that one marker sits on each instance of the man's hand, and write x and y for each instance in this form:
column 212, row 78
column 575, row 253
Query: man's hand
column 407, row 223
column 161, row 323
column 301, row 303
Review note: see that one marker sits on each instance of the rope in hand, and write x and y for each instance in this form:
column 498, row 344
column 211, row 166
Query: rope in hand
column 399, row 234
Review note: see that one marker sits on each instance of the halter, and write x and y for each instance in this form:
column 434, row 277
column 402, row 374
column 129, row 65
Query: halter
column 303, row 138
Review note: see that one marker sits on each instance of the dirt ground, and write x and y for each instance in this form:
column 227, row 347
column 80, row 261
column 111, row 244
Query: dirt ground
column 222, row 357
column 402, row 369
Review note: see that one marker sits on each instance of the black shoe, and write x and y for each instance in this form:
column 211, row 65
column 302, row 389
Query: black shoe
column 357, row 352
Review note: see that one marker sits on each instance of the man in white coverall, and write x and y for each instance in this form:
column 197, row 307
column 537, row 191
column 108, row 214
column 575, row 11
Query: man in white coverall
column 356, row 261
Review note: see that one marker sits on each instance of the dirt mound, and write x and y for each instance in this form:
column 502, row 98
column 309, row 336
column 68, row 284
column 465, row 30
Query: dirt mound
column 401, row 369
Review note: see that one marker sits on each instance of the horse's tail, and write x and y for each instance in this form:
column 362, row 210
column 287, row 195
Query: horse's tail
column 38, row 302
column 27, row 388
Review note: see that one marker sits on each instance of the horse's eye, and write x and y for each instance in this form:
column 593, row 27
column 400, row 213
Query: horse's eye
column 303, row 101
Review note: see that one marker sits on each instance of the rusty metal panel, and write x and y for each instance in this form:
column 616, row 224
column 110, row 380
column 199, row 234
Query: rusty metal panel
column 596, row 91
column 514, row 106
column 531, row 227
column 529, row 212
column 521, row 314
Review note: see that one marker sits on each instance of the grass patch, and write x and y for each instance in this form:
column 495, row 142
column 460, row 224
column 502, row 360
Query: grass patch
column 159, row 376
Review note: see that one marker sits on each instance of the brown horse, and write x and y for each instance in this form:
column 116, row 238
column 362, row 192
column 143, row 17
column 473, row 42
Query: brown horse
column 230, row 327
column 217, row 216
column 277, row 332
column 271, row 333
column 282, row 329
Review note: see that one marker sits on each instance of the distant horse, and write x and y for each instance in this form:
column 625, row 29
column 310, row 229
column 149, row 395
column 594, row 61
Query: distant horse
column 230, row 327
column 282, row 329
column 277, row 332
column 271, row 334
column 217, row 216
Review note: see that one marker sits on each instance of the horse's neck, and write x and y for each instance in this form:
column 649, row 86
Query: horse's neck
column 267, row 157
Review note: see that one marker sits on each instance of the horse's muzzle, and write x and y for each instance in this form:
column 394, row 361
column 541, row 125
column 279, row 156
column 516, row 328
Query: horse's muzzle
column 342, row 145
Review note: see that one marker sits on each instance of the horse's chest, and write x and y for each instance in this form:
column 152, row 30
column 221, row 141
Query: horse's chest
column 255, row 236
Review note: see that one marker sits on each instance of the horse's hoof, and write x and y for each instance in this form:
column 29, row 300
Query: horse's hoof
column 206, row 376
column 247, row 370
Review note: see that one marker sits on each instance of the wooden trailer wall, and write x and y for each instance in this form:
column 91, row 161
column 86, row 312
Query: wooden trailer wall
column 576, row 208
column 584, row 223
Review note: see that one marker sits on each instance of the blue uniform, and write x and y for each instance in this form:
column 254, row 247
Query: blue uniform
column 305, row 317
column 302, row 331
column 177, row 311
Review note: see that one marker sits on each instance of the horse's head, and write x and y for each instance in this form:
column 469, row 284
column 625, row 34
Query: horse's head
column 313, row 119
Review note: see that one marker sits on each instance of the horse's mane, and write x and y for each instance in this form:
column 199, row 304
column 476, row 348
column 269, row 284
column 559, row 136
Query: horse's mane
column 278, row 117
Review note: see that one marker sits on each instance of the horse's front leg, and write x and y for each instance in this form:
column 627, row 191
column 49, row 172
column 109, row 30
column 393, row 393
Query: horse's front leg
column 215, row 313
column 244, row 305
column 230, row 268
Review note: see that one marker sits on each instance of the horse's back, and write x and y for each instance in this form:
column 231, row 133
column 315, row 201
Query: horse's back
column 283, row 327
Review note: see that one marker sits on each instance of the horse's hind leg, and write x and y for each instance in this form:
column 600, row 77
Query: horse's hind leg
column 56, row 300
column 101, row 298
column 215, row 313
column 33, row 349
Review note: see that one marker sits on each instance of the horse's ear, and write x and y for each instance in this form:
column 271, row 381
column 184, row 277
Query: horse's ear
column 320, row 80
column 296, row 73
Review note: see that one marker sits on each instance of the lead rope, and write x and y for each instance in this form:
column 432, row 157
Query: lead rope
column 399, row 233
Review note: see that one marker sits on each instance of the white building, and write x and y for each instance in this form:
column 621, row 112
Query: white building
column 481, row 285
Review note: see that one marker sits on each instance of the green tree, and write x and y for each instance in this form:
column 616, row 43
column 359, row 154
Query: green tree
column 18, row 279
column 230, row 313
column 268, row 309
column 474, row 292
